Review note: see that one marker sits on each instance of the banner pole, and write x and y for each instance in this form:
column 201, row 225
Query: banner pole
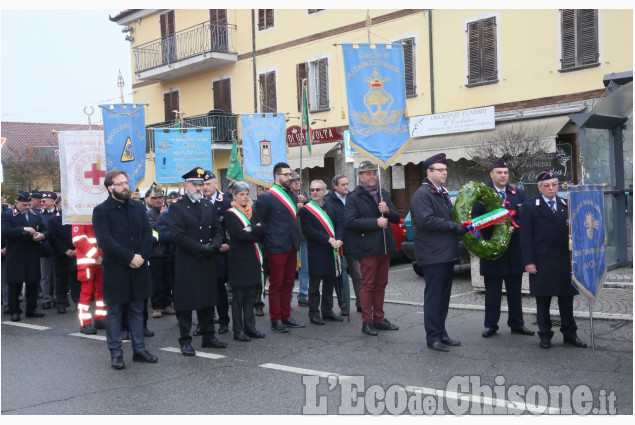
column 381, row 199
column 591, row 319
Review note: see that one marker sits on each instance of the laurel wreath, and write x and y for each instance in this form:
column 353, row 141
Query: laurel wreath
column 496, row 246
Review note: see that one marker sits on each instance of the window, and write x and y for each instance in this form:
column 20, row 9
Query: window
column 579, row 28
column 318, row 90
column 301, row 74
column 409, row 65
column 222, row 95
column 219, row 30
column 267, row 83
column 168, row 41
column 482, row 57
column 171, row 104
column 265, row 19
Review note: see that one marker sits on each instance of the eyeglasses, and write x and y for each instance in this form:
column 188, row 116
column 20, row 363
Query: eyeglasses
column 443, row 170
column 315, row 189
column 285, row 174
column 121, row 184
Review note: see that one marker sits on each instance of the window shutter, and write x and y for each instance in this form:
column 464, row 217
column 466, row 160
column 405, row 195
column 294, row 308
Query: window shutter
column 474, row 67
column 489, row 66
column 261, row 19
column 323, row 70
column 568, row 37
column 271, row 92
column 170, row 104
column 218, row 16
column 227, row 104
column 222, row 95
column 301, row 73
column 409, row 66
column 262, row 87
column 587, row 36
column 269, row 18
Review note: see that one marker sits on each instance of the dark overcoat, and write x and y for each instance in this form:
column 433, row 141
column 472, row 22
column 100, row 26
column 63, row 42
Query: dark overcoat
column 511, row 261
column 433, row 227
column 23, row 253
column 319, row 250
column 192, row 225
column 122, row 230
column 61, row 238
column 282, row 231
column 244, row 266
column 360, row 217
column 544, row 241
column 222, row 202
column 338, row 209
column 46, row 250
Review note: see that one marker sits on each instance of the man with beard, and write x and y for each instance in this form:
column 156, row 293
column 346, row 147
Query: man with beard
column 277, row 210
column 197, row 235
column 125, row 238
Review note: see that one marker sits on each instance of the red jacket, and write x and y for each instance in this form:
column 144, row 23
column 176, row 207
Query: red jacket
column 86, row 248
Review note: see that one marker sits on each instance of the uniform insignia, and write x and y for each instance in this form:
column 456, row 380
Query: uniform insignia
column 537, row 202
column 75, row 229
column 563, row 202
column 511, row 190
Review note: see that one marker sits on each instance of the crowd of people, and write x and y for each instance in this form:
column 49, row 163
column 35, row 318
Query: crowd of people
column 204, row 250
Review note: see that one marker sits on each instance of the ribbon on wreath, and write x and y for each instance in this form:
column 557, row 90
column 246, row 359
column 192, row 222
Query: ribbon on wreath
column 486, row 220
column 512, row 214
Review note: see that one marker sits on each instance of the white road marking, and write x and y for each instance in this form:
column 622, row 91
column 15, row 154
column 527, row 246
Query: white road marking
column 302, row 371
column 198, row 353
column 26, row 325
column 97, row 337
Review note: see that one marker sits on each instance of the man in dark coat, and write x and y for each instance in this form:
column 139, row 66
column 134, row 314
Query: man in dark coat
column 23, row 231
column 509, row 267
column 61, row 238
column 371, row 243
column 436, row 248
column 47, row 211
column 197, row 236
column 544, row 241
column 278, row 208
column 125, row 238
column 324, row 236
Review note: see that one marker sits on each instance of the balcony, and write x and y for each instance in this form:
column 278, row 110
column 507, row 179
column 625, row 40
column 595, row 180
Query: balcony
column 204, row 46
column 222, row 135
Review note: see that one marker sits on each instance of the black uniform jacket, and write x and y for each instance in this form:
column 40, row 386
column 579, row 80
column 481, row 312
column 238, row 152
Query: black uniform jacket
column 23, row 253
column 544, row 241
column 282, row 231
column 61, row 238
column 319, row 250
column 244, row 266
column 192, row 225
column 433, row 227
column 122, row 230
column 360, row 217
column 338, row 209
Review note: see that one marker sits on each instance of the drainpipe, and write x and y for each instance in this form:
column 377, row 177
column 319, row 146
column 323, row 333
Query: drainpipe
column 431, row 61
column 253, row 58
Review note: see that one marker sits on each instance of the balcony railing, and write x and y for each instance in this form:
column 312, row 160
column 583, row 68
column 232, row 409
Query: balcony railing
column 225, row 127
column 206, row 37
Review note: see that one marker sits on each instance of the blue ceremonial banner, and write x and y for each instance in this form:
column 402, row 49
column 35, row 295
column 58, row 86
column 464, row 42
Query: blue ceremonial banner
column 376, row 100
column 125, row 140
column 264, row 145
column 586, row 216
column 178, row 150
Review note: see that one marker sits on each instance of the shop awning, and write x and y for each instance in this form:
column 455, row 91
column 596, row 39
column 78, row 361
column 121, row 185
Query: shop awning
column 455, row 145
column 315, row 159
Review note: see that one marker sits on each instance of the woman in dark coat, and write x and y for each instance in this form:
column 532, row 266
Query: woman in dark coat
column 245, row 262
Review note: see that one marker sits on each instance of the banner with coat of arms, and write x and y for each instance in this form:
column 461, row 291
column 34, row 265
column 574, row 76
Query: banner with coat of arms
column 264, row 145
column 586, row 217
column 178, row 150
column 82, row 172
column 125, row 140
column 376, row 94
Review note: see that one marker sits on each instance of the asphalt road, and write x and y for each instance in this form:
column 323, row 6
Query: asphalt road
column 54, row 371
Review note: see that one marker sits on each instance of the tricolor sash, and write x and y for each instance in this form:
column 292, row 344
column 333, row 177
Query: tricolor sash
column 284, row 197
column 326, row 222
column 245, row 221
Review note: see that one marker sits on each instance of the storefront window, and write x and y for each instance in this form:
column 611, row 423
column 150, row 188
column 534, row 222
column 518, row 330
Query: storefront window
column 598, row 162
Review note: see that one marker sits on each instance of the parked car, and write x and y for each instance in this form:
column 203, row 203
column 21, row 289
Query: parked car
column 400, row 237
column 408, row 249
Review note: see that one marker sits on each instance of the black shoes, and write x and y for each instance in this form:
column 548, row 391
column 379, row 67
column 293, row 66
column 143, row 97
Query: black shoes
column 61, row 310
column 46, row 306
column 255, row 334
column 259, row 311
column 523, row 331
column 343, row 311
column 369, row 329
column 303, row 303
column 278, row 327
column 438, row 346
column 385, row 325
column 34, row 313
column 487, row 332
column 316, row 320
column 187, row 350
column 213, row 342
column 359, row 309
column 99, row 324
column 117, row 363
column 291, row 323
column 242, row 337
column 223, row 329
column 333, row 317
column 575, row 341
column 449, row 341
column 545, row 342
column 88, row 330
column 144, row 357
column 15, row 317
column 147, row 332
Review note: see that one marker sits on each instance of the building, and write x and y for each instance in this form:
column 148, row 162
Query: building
column 535, row 68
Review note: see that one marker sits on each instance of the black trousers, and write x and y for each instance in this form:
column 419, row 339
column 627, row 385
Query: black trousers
column 205, row 319
column 493, row 297
column 65, row 279
column 14, row 296
column 162, row 282
column 223, row 303
column 327, row 295
column 565, row 305
column 124, row 317
column 243, row 300
column 436, row 299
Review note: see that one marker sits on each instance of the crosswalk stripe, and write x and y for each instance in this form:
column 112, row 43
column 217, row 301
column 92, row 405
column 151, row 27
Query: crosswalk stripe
column 97, row 337
column 198, row 353
column 302, row 371
column 26, row 325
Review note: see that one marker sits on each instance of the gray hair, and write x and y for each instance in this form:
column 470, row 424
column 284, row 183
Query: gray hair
column 336, row 179
column 239, row 187
column 321, row 182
